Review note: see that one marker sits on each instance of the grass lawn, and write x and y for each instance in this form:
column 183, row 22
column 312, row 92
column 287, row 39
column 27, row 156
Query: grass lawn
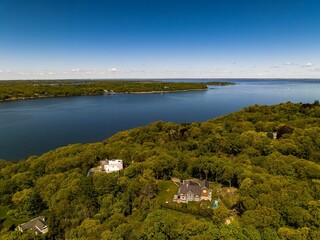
column 225, row 195
column 167, row 190
column 184, row 218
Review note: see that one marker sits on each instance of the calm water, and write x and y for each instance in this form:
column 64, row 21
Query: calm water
column 36, row 126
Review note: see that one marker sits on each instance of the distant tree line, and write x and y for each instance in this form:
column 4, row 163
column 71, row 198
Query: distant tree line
column 15, row 90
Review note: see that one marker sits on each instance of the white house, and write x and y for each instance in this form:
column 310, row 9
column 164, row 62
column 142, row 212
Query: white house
column 112, row 165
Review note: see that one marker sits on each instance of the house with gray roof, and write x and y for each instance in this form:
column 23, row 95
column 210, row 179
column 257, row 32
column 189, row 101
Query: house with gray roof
column 193, row 191
column 38, row 225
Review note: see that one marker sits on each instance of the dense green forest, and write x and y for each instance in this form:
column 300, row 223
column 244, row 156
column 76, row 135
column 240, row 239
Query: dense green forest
column 268, row 187
column 14, row 90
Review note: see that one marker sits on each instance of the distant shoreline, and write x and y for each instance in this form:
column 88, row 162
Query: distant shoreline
column 155, row 92
column 28, row 90
column 106, row 93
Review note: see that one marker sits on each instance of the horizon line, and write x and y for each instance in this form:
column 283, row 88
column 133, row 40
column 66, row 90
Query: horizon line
column 166, row 78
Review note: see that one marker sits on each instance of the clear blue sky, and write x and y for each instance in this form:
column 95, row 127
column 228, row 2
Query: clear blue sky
column 159, row 38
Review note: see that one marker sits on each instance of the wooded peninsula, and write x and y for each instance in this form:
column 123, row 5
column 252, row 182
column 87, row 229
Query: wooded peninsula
column 262, row 164
column 32, row 89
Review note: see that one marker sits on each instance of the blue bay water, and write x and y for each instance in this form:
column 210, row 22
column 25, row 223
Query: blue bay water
column 33, row 127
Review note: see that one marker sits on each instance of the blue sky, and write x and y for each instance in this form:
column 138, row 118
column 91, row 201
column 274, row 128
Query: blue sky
column 42, row 39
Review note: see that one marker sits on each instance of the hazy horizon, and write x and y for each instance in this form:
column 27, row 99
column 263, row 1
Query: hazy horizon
column 164, row 78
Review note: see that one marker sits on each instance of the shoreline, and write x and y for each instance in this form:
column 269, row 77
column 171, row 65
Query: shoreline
column 155, row 92
column 105, row 93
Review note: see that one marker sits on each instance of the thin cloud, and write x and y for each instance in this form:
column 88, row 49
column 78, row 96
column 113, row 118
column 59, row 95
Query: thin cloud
column 291, row 64
column 93, row 71
column 23, row 73
column 28, row 73
column 308, row 65
column 5, row 71
column 113, row 69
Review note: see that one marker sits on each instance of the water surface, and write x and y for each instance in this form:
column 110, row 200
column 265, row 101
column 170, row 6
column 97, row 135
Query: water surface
column 33, row 127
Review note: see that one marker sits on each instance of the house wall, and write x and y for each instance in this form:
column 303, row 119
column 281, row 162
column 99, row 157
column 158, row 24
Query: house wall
column 112, row 165
column 206, row 196
column 190, row 197
column 112, row 168
column 45, row 230
column 197, row 199
column 204, row 192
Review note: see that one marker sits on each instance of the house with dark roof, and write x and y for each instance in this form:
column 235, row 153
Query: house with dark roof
column 37, row 225
column 193, row 191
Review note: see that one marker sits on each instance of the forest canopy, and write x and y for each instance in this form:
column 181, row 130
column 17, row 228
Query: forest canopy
column 263, row 164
